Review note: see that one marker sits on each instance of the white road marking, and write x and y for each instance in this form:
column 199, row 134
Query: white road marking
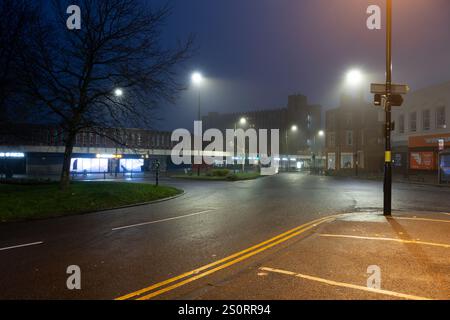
column 21, row 246
column 163, row 220
column 420, row 219
column 346, row 285
column 386, row 239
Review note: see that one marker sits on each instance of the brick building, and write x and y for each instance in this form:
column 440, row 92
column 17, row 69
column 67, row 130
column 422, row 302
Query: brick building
column 354, row 137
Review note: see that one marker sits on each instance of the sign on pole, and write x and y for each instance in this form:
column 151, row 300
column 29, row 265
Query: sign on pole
column 380, row 88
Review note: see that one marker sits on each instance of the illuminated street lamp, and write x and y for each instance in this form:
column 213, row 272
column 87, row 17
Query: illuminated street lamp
column 354, row 78
column 197, row 80
column 321, row 133
column 242, row 122
column 293, row 128
column 118, row 92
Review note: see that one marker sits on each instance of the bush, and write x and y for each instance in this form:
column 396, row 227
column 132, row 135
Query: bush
column 220, row 172
column 232, row 177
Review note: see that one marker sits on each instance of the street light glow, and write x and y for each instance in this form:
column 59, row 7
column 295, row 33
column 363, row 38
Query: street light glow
column 118, row 92
column 321, row 133
column 294, row 128
column 243, row 121
column 354, row 77
column 197, row 78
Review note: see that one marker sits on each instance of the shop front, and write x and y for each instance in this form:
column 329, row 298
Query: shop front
column 429, row 156
column 12, row 163
column 106, row 163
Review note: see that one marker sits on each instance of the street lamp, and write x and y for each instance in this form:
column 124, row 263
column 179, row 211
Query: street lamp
column 242, row 122
column 197, row 80
column 319, row 134
column 293, row 128
column 354, row 78
column 118, row 92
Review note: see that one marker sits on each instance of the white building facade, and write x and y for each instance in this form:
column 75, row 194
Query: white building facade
column 421, row 139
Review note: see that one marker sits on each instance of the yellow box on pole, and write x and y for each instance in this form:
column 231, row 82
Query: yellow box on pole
column 388, row 156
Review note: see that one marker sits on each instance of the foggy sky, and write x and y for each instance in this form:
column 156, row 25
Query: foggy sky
column 257, row 52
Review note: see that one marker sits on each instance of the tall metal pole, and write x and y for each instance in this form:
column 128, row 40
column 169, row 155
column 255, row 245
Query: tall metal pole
column 287, row 150
column 199, row 119
column 388, row 152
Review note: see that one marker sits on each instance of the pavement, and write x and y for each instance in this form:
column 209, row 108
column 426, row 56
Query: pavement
column 353, row 256
column 122, row 251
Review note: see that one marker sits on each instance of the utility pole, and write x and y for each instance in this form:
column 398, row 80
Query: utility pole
column 388, row 95
column 199, row 117
column 387, row 108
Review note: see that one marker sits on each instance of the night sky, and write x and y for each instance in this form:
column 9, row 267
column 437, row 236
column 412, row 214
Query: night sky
column 257, row 52
column 254, row 53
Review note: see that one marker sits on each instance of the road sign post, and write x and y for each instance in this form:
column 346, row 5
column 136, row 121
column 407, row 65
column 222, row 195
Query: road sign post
column 388, row 95
column 387, row 201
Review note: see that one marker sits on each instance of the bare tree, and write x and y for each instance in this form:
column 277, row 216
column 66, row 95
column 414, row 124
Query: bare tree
column 74, row 74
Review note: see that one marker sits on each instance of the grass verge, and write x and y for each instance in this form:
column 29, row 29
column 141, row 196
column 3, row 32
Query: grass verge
column 26, row 202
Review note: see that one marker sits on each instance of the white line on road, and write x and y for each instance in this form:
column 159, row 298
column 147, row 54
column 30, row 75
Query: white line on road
column 163, row 220
column 21, row 246
column 421, row 219
column 443, row 245
column 345, row 285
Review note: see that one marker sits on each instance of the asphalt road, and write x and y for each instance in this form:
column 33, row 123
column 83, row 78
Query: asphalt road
column 121, row 251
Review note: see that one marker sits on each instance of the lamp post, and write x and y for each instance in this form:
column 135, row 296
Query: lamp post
column 242, row 122
column 197, row 80
column 293, row 128
column 319, row 134
column 387, row 194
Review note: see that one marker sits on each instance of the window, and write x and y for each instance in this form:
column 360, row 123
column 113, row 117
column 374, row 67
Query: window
column 331, row 161
column 349, row 138
column 331, row 137
column 413, row 121
column 401, row 123
column 441, row 122
column 331, row 120
column 426, row 120
column 346, row 160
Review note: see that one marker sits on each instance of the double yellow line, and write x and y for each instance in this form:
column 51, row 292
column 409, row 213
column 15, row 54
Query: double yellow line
column 149, row 292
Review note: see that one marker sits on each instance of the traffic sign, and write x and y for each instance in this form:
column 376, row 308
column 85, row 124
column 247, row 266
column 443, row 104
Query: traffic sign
column 380, row 88
column 396, row 100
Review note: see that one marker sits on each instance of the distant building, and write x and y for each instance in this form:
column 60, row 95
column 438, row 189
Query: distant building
column 354, row 137
column 299, row 113
column 38, row 150
column 421, row 140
